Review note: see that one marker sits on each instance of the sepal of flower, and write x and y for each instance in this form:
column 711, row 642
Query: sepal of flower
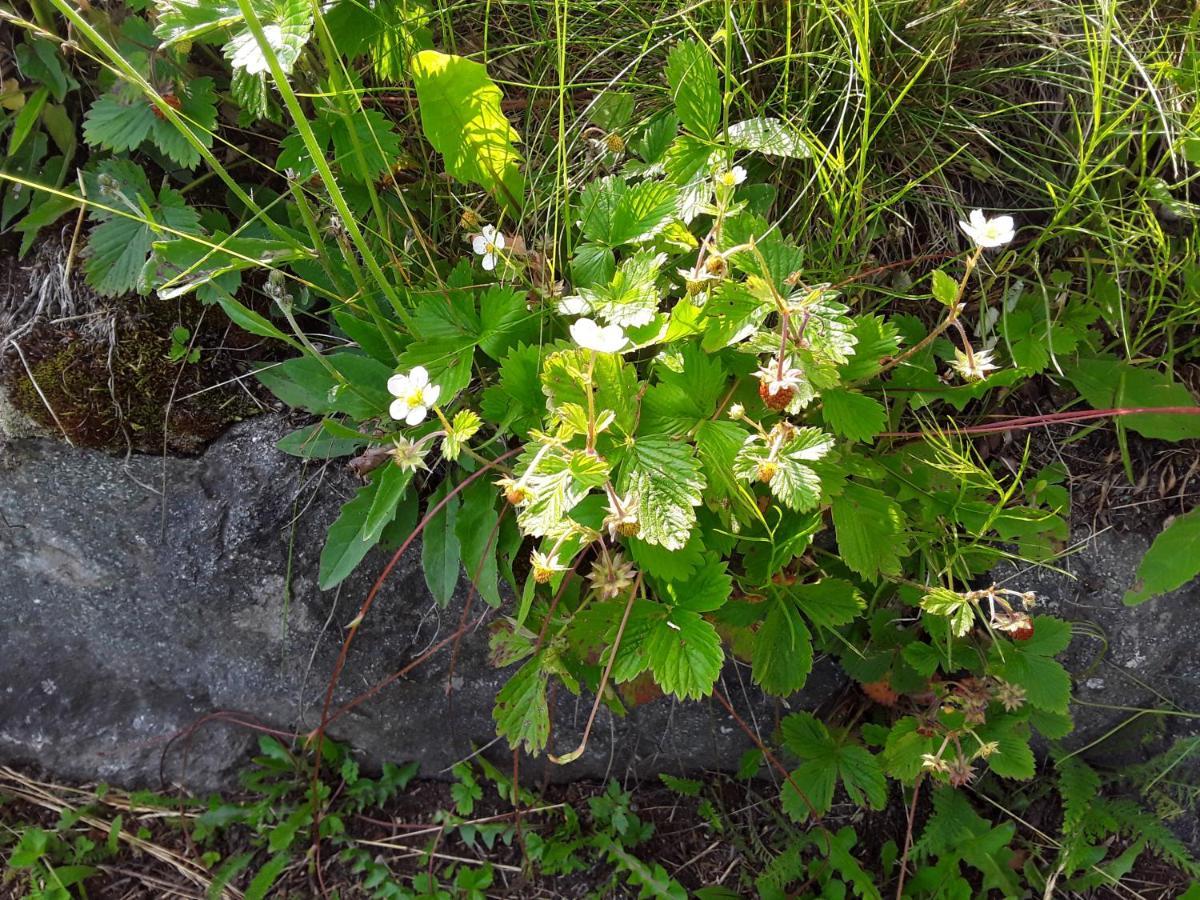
column 1010, row 696
column 599, row 338
column 973, row 365
column 488, row 244
column 414, row 396
column 988, row 233
column 410, row 455
column 611, row 576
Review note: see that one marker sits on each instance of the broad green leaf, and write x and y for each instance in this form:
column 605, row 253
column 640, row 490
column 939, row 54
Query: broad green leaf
column 783, row 654
column 1110, row 383
column 1171, row 562
column 940, row 601
column 1014, row 757
column 365, row 144
column 667, row 565
column 852, row 415
column 667, row 480
column 393, row 483
column 517, row 401
column 115, row 122
column 461, row 116
column 684, row 653
column 1028, row 664
column 344, row 547
column 505, row 321
column 695, row 88
column 522, row 714
column 314, row 442
column 871, row 530
column 441, row 555
column 704, row 590
column 26, row 119
column 631, row 298
column 478, row 534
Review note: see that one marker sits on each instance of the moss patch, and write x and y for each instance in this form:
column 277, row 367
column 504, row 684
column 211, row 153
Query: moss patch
column 112, row 391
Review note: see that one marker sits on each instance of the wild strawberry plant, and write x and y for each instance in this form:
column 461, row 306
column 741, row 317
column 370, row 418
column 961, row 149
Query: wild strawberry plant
column 655, row 438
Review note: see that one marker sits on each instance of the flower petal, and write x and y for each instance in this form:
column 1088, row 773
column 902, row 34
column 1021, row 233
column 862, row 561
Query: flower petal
column 978, row 219
column 497, row 239
column 432, row 393
column 488, row 233
column 479, row 244
column 415, row 416
column 489, row 261
column 418, row 377
column 398, row 409
column 397, row 385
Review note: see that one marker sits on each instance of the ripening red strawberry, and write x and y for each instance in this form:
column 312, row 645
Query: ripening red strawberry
column 777, row 401
column 171, row 100
column 1023, row 632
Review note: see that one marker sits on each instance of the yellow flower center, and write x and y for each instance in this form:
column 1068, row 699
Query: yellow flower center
column 416, row 397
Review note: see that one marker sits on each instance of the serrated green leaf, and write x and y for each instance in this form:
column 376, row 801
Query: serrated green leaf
column 462, row 119
column 852, row 415
column 631, row 298
column 344, row 547
column 1111, row 383
column 365, row 144
column 1171, row 562
column 695, row 88
column 393, row 482
column 945, row 288
column 115, row 123
column 871, row 532
column 783, row 653
column 705, row 590
column 829, row 602
column 826, row 760
column 940, row 601
column 666, row 478
column 505, row 321
column 684, row 653
column 517, row 401
column 522, row 715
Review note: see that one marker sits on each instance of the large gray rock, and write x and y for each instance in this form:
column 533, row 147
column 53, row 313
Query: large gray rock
column 139, row 627
column 1133, row 667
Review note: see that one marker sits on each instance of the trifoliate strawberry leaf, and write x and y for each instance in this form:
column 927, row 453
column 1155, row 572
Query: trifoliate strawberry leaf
column 612, row 213
column 941, row 601
column 684, row 653
column 286, row 24
column 553, row 485
column 630, row 299
column 695, row 88
column 614, row 381
column 505, row 321
column 852, row 415
column 119, row 247
column 870, row 529
column 665, row 476
column 826, row 759
column 780, row 460
column 783, row 653
column 522, row 715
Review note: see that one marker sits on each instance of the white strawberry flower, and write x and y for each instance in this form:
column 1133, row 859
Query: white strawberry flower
column 414, row 395
column 602, row 339
column 731, row 178
column 988, row 233
column 488, row 244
